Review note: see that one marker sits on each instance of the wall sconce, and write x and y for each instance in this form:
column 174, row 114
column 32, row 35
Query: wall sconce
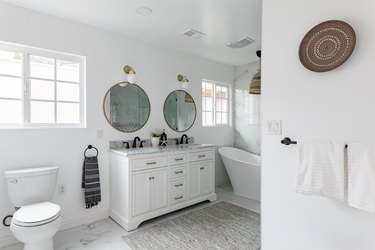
column 130, row 73
column 184, row 81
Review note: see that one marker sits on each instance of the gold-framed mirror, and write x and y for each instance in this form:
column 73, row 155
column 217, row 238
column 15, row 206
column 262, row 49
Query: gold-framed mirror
column 126, row 107
column 179, row 110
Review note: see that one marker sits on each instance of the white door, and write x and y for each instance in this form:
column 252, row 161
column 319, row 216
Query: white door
column 141, row 193
column 205, row 178
column 159, row 189
column 194, row 180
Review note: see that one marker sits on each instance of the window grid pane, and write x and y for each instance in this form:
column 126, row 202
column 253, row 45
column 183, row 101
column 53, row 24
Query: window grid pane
column 11, row 111
column 42, row 112
column 67, row 92
column 67, row 112
column 10, row 63
column 42, row 90
column 67, row 71
column 10, row 87
column 42, row 67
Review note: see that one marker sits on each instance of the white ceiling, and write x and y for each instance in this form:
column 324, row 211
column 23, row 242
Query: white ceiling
column 222, row 20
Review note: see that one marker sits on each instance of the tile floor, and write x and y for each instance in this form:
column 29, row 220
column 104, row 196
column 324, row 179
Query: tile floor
column 106, row 234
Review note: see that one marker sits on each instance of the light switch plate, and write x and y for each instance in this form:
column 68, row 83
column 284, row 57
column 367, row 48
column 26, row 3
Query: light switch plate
column 99, row 134
column 274, row 127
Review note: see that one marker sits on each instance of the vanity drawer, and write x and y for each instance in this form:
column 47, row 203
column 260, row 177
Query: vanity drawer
column 178, row 159
column 178, row 186
column 178, row 172
column 176, row 198
column 148, row 163
column 201, row 156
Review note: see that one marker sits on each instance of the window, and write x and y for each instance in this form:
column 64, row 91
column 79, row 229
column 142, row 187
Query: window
column 215, row 104
column 40, row 88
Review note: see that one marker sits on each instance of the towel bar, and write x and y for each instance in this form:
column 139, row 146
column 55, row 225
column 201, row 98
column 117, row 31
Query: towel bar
column 287, row 141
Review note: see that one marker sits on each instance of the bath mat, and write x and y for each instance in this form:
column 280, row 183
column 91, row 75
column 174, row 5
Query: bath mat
column 221, row 226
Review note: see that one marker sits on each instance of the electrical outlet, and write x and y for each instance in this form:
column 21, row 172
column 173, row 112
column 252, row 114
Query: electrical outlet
column 62, row 189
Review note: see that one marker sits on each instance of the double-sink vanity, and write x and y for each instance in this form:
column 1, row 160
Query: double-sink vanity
column 145, row 181
column 150, row 181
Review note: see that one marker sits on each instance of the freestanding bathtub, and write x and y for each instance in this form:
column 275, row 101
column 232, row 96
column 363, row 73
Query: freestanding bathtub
column 244, row 171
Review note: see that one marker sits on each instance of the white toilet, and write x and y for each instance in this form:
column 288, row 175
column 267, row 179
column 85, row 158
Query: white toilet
column 37, row 220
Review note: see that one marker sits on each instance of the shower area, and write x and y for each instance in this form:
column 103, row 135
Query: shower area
column 247, row 110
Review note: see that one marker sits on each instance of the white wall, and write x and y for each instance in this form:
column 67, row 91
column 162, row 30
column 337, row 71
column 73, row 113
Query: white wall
column 106, row 54
column 247, row 132
column 334, row 105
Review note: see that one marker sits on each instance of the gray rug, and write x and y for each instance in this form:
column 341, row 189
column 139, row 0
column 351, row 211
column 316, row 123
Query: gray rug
column 221, row 226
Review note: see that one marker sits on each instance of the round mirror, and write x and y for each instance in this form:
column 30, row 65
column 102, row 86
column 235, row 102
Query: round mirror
column 179, row 110
column 126, row 107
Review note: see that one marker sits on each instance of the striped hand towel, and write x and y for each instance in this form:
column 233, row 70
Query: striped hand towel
column 361, row 175
column 321, row 169
column 91, row 181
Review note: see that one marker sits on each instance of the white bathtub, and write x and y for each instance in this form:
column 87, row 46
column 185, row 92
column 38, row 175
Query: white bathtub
column 244, row 170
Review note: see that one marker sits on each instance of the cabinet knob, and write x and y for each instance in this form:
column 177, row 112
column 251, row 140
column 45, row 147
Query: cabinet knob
column 151, row 163
column 202, row 168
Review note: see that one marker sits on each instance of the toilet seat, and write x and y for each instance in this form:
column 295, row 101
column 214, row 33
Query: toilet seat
column 36, row 214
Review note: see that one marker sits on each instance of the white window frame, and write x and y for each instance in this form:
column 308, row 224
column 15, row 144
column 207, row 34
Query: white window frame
column 229, row 108
column 26, row 51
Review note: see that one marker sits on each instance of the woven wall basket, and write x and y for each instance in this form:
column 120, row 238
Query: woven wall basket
column 327, row 46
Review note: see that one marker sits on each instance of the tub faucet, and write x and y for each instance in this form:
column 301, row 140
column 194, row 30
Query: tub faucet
column 182, row 139
column 135, row 141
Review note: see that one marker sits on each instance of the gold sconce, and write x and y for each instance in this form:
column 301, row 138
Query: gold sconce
column 130, row 74
column 184, row 81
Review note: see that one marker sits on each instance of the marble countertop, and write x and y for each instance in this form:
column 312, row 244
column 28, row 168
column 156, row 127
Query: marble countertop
column 150, row 150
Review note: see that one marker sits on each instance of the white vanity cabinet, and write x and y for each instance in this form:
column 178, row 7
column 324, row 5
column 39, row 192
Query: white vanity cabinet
column 149, row 191
column 145, row 185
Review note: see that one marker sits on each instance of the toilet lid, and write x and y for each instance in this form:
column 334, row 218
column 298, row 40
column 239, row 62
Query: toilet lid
column 36, row 214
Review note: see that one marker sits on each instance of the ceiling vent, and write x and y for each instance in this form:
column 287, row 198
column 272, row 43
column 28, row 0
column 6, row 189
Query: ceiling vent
column 194, row 34
column 241, row 43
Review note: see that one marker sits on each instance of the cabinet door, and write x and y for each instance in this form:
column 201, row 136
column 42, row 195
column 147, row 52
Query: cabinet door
column 194, row 180
column 205, row 180
column 141, row 193
column 159, row 189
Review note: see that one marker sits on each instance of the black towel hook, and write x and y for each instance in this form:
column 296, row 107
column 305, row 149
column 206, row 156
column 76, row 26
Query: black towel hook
column 90, row 147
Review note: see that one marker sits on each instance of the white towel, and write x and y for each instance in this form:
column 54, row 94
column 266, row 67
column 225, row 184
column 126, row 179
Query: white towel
column 321, row 169
column 361, row 176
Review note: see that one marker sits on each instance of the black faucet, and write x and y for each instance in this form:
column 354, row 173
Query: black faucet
column 135, row 141
column 177, row 141
column 182, row 138
column 127, row 144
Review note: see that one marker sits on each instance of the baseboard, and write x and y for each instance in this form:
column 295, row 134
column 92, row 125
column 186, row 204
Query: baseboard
column 83, row 220
column 9, row 240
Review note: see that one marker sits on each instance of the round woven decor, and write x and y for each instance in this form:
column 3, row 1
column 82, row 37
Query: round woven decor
column 327, row 46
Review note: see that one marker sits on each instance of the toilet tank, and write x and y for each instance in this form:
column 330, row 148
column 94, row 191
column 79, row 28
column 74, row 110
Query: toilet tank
column 31, row 185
